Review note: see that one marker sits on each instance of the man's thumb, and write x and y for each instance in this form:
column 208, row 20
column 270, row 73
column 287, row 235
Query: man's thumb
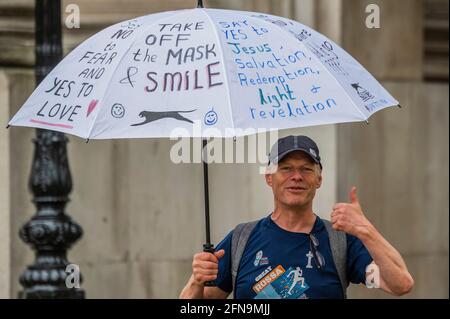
column 219, row 254
column 353, row 197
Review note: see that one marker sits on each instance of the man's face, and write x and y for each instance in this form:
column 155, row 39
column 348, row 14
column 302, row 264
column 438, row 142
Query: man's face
column 295, row 182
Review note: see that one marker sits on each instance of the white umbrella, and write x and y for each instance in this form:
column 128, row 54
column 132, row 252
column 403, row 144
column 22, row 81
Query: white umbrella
column 204, row 72
column 201, row 73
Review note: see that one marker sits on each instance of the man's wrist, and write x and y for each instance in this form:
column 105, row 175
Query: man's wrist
column 367, row 233
column 196, row 284
column 193, row 290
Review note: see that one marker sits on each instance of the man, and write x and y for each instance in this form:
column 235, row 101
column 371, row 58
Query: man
column 292, row 253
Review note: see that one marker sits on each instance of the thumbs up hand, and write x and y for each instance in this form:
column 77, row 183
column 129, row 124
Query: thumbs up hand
column 349, row 217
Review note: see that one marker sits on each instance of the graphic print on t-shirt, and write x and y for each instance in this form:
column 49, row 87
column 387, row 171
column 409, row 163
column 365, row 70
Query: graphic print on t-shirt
column 260, row 259
column 310, row 257
column 280, row 284
column 269, row 278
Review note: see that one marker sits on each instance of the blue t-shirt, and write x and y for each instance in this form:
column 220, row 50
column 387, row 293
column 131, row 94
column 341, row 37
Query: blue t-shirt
column 278, row 264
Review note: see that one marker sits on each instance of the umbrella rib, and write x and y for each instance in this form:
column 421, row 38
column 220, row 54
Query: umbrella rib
column 136, row 37
column 227, row 84
column 320, row 62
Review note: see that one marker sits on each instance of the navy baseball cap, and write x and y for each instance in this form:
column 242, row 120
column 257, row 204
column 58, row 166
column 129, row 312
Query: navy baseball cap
column 289, row 144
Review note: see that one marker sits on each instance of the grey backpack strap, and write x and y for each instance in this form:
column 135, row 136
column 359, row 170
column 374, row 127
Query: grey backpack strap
column 338, row 245
column 239, row 240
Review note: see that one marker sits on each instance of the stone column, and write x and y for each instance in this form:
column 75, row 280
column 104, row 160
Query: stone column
column 5, row 203
column 400, row 161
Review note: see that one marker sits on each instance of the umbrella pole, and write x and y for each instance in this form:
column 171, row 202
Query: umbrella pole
column 207, row 247
column 206, row 189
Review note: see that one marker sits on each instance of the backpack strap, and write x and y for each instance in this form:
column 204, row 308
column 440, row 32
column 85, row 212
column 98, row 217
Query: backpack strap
column 338, row 245
column 239, row 240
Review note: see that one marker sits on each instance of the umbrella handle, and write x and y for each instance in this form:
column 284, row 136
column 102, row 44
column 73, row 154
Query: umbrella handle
column 208, row 248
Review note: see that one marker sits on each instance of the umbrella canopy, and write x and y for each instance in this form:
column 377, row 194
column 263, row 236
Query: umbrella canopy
column 200, row 73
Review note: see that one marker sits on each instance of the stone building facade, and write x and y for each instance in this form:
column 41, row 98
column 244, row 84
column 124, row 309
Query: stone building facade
column 143, row 215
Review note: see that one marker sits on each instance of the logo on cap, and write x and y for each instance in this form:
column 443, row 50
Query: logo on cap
column 312, row 152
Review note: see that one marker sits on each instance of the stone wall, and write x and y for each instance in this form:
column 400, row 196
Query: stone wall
column 400, row 161
column 142, row 215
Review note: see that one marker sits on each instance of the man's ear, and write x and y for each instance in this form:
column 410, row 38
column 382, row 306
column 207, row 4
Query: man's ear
column 268, row 179
column 270, row 169
column 319, row 180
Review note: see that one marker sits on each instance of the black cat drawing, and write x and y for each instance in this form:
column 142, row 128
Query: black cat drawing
column 155, row 116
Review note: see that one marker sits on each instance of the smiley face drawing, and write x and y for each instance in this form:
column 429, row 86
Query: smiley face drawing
column 211, row 117
column 117, row 110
